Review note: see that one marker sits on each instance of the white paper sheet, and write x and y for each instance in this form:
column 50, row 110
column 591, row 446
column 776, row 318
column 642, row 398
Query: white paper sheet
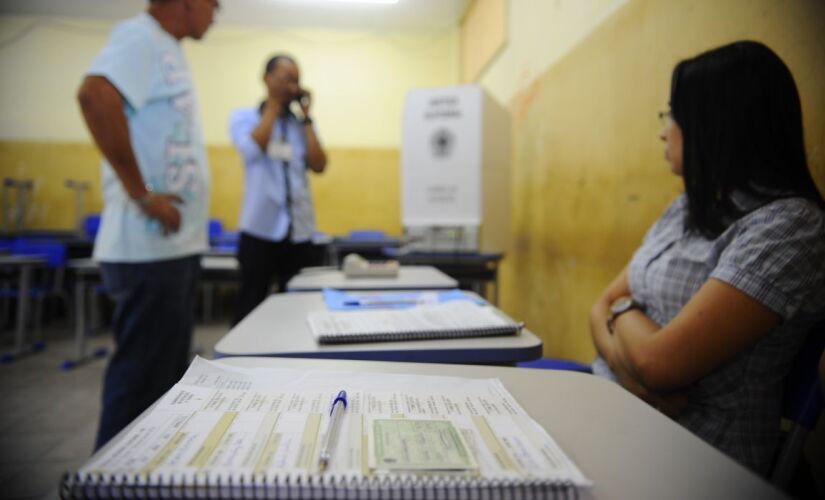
column 231, row 421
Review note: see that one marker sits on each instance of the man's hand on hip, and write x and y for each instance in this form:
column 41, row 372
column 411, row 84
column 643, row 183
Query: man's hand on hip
column 161, row 207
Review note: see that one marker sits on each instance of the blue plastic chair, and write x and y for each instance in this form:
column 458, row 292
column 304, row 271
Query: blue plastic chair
column 227, row 242
column 214, row 229
column 220, row 240
column 45, row 284
column 91, row 224
column 53, row 250
column 556, row 364
column 801, row 406
column 366, row 235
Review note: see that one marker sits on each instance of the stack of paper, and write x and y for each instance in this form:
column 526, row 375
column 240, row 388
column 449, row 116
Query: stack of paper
column 228, row 432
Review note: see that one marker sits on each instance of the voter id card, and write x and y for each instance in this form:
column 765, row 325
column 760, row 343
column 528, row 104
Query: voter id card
column 407, row 444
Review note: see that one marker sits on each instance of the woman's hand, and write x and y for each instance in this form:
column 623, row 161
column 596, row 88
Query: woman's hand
column 671, row 403
column 715, row 325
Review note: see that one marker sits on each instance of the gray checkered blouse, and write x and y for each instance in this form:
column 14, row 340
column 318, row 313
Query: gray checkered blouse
column 775, row 254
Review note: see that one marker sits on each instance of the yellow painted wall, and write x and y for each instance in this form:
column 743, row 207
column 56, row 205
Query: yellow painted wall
column 51, row 204
column 360, row 190
column 359, row 81
column 589, row 174
column 358, row 78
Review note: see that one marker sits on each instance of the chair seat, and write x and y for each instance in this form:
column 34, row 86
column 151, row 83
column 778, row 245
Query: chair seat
column 556, row 364
column 801, row 406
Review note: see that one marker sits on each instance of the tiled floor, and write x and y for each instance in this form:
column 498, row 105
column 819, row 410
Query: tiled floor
column 48, row 416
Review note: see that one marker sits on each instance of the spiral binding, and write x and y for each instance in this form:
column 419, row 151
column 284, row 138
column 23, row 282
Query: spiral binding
column 400, row 336
column 170, row 486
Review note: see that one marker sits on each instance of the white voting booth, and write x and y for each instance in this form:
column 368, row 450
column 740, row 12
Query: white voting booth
column 455, row 170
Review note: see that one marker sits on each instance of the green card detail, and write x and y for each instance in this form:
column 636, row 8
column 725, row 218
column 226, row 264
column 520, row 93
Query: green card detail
column 402, row 444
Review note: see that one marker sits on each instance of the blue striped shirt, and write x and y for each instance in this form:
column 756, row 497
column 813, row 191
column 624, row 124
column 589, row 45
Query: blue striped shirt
column 265, row 213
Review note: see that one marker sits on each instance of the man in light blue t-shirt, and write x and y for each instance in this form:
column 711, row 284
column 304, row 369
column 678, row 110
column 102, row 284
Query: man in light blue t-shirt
column 139, row 104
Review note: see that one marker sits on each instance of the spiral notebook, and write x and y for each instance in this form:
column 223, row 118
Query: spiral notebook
column 231, row 432
column 458, row 319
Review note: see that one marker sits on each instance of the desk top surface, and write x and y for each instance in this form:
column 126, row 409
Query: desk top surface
column 278, row 327
column 409, row 278
column 345, row 242
column 208, row 263
column 444, row 257
column 628, row 449
column 22, row 260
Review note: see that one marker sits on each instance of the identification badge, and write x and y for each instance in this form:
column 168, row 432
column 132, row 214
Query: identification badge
column 281, row 151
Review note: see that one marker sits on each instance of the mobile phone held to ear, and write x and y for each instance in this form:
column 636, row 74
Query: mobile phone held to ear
column 302, row 98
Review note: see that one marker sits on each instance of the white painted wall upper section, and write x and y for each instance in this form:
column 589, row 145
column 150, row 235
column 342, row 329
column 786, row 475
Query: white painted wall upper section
column 540, row 32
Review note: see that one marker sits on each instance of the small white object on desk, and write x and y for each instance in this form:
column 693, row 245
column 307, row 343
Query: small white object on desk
column 408, row 278
column 356, row 266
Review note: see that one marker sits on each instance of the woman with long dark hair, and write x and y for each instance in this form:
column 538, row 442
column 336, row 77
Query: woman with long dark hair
column 709, row 314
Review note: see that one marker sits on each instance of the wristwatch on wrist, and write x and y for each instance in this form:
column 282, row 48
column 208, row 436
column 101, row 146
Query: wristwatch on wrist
column 619, row 307
column 144, row 200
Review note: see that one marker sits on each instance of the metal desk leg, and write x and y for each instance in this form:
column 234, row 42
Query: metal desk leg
column 81, row 328
column 332, row 256
column 22, row 308
column 20, row 347
column 208, row 295
column 495, row 286
column 4, row 316
column 80, row 318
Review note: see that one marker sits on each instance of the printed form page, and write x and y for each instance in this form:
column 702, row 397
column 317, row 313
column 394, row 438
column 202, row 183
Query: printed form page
column 221, row 421
column 456, row 315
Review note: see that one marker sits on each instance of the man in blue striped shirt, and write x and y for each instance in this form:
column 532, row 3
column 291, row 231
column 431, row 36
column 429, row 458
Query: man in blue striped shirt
column 277, row 218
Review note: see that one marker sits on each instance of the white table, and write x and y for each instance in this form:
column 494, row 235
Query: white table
column 628, row 449
column 408, row 278
column 278, row 327
column 214, row 268
column 215, row 263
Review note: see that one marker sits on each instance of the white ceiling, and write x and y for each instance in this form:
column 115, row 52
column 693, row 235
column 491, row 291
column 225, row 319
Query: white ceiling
column 404, row 15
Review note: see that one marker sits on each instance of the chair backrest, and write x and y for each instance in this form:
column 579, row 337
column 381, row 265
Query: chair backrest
column 91, row 224
column 801, row 406
column 556, row 364
column 803, row 400
column 53, row 250
column 366, row 235
column 215, row 228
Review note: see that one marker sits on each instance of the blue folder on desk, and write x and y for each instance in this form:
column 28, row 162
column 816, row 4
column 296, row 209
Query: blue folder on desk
column 337, row 300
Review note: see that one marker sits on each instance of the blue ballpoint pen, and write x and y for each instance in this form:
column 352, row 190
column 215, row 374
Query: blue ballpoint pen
column 381, row 302
column 336, row 412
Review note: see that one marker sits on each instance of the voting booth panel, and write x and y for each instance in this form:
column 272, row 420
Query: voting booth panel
column 455, row 170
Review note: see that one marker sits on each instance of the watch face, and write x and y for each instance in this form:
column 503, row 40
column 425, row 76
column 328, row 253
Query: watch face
column 621, row 305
